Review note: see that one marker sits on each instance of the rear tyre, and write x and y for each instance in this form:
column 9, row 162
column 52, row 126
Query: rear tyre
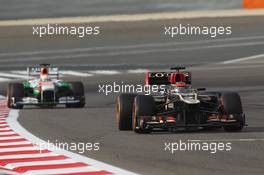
column 232, row 105
column 15, row 93
column 78, row 93
column 124, row 106
column 144, row 105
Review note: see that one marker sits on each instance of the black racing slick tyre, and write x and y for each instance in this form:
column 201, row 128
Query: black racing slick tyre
column 78, row 93
column 144, row 105
column 124, row 107
column 232, row 105
column 15, row 93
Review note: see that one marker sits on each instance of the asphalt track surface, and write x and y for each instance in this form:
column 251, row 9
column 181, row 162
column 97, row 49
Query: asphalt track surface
column 147, row 47
column 16, row 9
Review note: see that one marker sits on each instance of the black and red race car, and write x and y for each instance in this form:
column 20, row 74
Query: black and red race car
column 178, row 106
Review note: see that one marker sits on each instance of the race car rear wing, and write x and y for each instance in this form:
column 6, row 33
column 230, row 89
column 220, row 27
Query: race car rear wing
column 157, row 78
column 165, row 78
column 34, row 71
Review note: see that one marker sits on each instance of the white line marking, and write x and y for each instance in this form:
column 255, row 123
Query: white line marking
column 134, row 52
column 19, row 72
column 19, row 149
column 6, row 133
column 1, row 125
column 13, row 75
column 17, row 156
column 4, row 79
column 75, row 73
column 15, row 143
column 62, row 170
column 105, row 72
column 11, row 137
column 13, row 123
column 50, row 162
column 134, row 17
column 3, row 129
column 243, row 59
column 135, row 46
column 137, row 71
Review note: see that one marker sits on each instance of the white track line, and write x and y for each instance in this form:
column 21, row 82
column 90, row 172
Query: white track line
column 3, row 129
column 13, row 75
column 21, row 72
column 135, row 52
column 6, row 133
column 17, row 156
column 2, row 125
column 137, row 71
column 105, row 72
column 10, row 137
column 75, row 73
column 50, row 162
column 19, row 149
column 134, row 46
column 4, row 79
column 134, row 17
column 122, row 47
column 244, row 59
column 15, row 143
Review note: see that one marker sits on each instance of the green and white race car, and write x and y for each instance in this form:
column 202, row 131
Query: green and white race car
column 44, row 88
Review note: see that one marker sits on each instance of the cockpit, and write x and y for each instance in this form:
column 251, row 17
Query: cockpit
column 180, row 88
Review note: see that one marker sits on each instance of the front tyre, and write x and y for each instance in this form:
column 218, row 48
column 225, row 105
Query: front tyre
column 124, row 106
column 144, row 105
column 78, row 93
column 232, row 106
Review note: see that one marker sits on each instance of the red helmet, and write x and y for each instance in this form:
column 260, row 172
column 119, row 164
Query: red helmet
column 44, row 74
column 177, row 78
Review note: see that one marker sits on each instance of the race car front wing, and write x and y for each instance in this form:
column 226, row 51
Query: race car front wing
column 170, row 122
column 35, row 101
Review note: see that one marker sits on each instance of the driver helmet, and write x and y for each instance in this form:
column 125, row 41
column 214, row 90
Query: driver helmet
column 44, row 73
column 180, row 87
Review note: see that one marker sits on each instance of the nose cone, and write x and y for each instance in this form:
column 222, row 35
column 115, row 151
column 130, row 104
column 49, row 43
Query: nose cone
column 47, row 86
